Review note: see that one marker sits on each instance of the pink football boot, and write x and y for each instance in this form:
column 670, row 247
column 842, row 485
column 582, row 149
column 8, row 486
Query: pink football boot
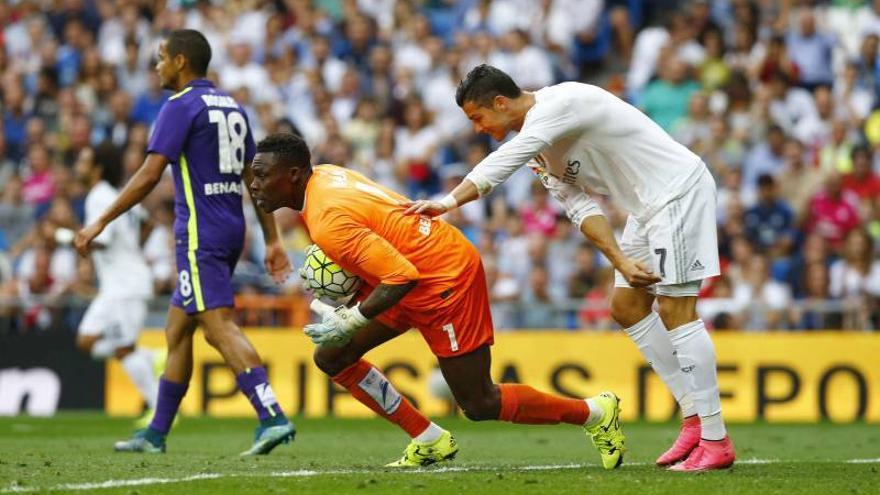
column 687, row 441
column 709, row 455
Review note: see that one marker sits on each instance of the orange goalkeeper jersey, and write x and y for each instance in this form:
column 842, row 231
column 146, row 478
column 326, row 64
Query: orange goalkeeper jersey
column 361, row 226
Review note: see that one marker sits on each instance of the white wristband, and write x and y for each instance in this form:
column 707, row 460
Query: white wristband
column 357, row 318
column 449, row 202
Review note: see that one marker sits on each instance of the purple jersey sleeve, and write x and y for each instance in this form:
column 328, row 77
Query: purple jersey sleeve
column 170, row 130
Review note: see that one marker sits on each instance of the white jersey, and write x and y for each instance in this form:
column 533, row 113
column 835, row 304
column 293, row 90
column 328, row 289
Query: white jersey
column 579, row 136
column 120, row 264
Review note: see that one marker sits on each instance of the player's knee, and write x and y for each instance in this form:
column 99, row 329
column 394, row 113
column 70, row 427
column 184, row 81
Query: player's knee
column 677, row 311
column 624, row 312
column 213, row 339
column 333, row 362
column 481, row 409
column 84, row 344
column 121, row 352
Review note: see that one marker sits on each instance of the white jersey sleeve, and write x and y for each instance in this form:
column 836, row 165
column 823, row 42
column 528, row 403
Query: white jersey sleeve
column 98, row 200
column 577, row 204
column 543, row 126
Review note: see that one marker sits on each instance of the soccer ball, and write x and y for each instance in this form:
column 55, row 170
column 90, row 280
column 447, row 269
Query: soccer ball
column 325, row 278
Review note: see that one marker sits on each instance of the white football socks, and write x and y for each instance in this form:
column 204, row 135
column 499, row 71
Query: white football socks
column 596, row 413
column 430, row 435
column 697, row 356
column 139, row 367
column 654, row 342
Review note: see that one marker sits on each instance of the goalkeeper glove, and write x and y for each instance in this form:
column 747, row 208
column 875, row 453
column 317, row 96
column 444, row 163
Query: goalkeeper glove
column 337, row 325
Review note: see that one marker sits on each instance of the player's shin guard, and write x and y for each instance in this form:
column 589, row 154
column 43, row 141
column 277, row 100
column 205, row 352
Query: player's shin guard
column 655, row 344
column 170, row 395
column 697, row 356
column 370, row 387
column 525, row 405
column 254, row 384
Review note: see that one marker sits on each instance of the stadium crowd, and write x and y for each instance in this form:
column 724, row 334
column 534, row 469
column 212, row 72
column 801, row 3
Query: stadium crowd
column 777, row 96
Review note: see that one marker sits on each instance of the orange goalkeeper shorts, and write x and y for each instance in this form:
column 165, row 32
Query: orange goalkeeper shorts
column 461, row 326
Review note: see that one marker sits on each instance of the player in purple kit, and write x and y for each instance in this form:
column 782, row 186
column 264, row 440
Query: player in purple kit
column 205, row 135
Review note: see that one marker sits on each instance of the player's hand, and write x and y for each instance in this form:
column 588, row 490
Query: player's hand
column 425, row 207
column 277, row 263
column 337, row 325
column 637, row 274
column 85, row 236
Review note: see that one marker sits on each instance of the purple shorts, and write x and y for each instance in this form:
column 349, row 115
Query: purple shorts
column 204, row 279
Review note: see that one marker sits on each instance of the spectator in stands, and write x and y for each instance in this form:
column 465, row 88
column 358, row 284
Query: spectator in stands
column 862, row 181
column 857, row 272
column 769, row 224
column 833, row 212
column 39, row 184
column 855, row 278
column 15, row 213
column 798, row 180
column 694, row 129
column 866, row 62
column 815, row 311
column 719, row 308
column 537, row 297
column 538, row 214
column 584, row 277
column 811, row 51
column 765, row 157
column 595, row 312
column 766, row 301
column 666, row 98
column 415, row 143
column 14, row 119
column 713, row 71
column 149, row 101
column 837, row 152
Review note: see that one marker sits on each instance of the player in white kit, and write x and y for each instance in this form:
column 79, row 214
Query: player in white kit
column 111, row 324
column 576, row 136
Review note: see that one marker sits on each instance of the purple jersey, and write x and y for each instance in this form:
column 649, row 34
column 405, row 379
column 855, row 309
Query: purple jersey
column 205, row 135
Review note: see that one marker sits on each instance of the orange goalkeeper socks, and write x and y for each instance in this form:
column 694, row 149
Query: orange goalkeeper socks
column 525, row 405
column 369, row 386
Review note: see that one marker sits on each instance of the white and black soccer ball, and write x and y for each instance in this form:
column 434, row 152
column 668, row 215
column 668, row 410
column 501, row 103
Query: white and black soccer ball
column 325, row 278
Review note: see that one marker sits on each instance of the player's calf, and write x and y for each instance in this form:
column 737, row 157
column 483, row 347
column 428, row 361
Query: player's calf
column 484, row 408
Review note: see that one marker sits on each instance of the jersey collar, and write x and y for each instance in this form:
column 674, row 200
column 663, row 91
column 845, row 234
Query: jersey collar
column 200, row 83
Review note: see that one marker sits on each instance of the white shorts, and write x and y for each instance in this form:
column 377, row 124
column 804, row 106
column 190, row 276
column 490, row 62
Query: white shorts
column 120, row 319
column 680, row 242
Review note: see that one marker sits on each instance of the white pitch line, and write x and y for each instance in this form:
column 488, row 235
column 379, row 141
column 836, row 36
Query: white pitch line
column 113, row 483
column 301, row 473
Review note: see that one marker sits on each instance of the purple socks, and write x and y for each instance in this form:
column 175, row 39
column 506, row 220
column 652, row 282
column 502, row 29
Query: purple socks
column 170, row 395
column 254, row 383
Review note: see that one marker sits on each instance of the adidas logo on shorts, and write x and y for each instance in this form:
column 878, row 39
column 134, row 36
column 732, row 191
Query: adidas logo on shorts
column 697, row 266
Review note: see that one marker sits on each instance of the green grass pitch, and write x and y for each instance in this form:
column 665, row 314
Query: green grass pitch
column 71, row 453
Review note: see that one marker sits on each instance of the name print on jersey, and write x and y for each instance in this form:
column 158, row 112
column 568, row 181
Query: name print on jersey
column 571, row 172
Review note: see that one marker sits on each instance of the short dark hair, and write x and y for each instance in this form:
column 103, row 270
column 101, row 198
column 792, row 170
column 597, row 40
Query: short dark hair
column 289, row 149
column 483, row 83
column 193, row 46
column 766, row 180
column 109, row 160
column 861, row 149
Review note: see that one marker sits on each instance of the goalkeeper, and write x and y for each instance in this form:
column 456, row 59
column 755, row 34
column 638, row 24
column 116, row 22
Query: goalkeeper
column 424, row 274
